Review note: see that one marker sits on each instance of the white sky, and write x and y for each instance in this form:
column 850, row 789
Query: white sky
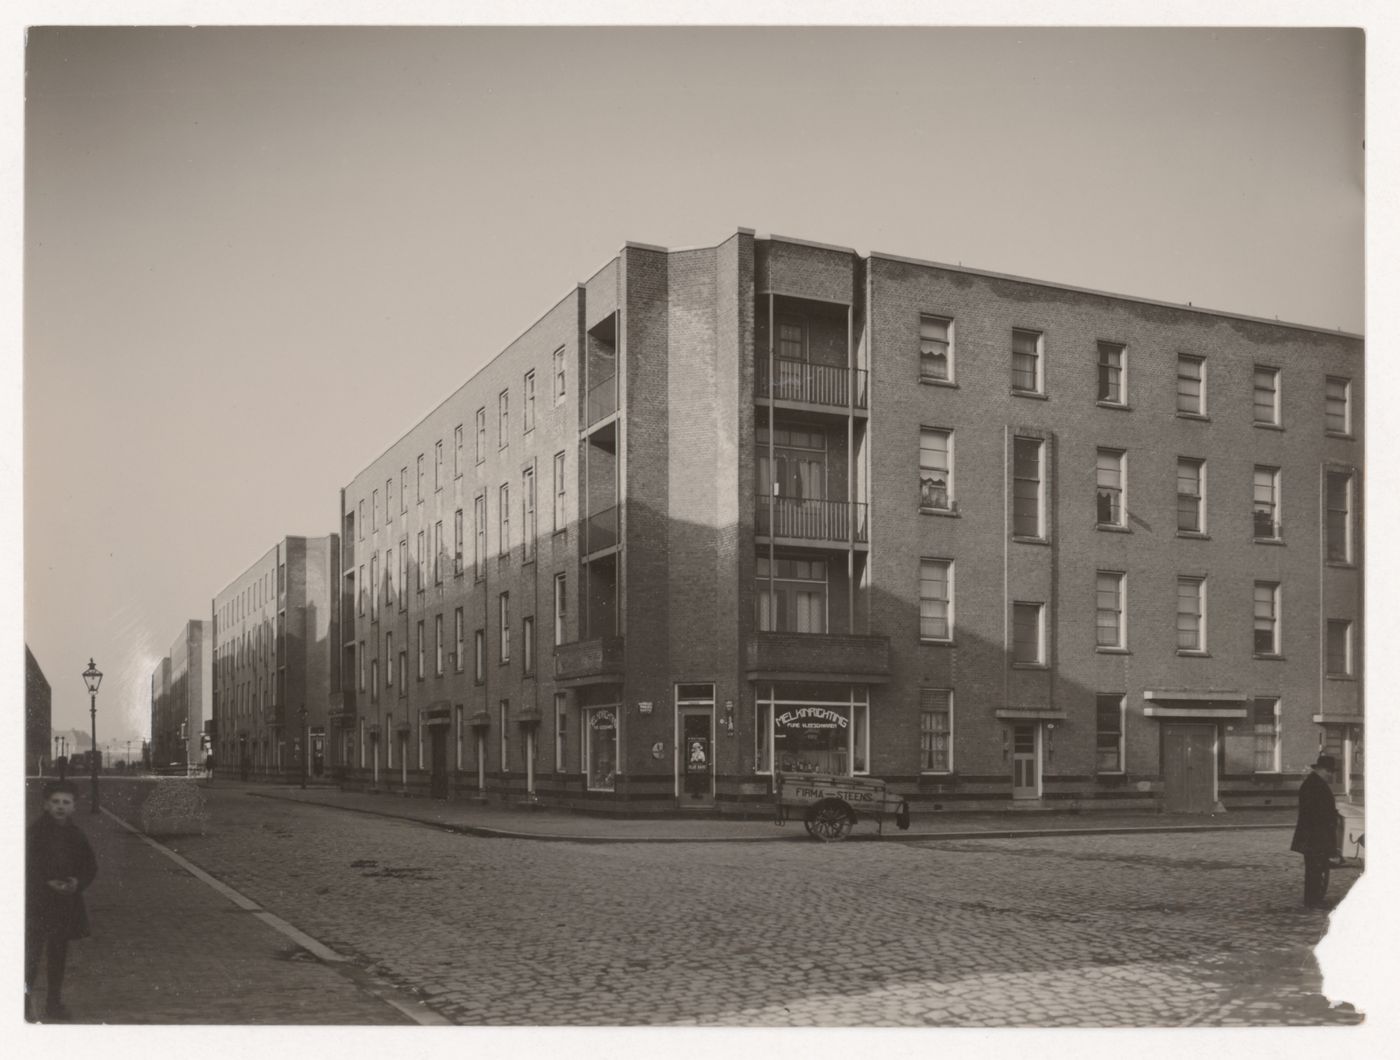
column 255, row 257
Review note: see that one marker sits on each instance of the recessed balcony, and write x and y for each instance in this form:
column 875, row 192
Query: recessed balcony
column 808, row 383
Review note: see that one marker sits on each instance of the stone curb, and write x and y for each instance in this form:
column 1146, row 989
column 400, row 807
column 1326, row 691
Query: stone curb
column 487, row 832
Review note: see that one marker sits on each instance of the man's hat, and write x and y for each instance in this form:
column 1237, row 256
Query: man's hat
column 1325, row 762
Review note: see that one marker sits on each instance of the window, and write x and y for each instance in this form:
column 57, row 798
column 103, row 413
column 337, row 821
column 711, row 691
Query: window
column 505, row 736
column 374, row 588
column 437, row 622
column 420, row 561
column 1190, row 614
column 420, row 478
column 1266, row 396
column 1265, row 715
column 403, row 574
column 388, row 501
column 363, row 593
column 437, row 552
column 422, row 651
column 361, row 520
column 793, row 599
column 528, row 504
column 1109, row 621
column 527, row 644
column 530, row 400
column 1026, row 376
column 792, row 340
column 403, row 672
column 1266, row 489
column 389, row 660
column 1338, row 517
column 936, row 599
column 561, row 729
column 437, row 466
column 1112, row 390
column 503, row 419
column 1028, row 640
column 798, row 465
column 504, row 543
column 1109, row 738
column 1027, row 510
column 362, row 665
column 1338, row 647
column 935, row 730
column 480, row 435
column 460, row 641
column 559, row 375
column 403, row 489
column 935, row 470
column 797, row 733
column 1190, row 385
column 479, row 518
column 1266, row 618
column 1190, row 495
column 935, row 348
column 559, row 486
column 1109, row 495
column 560, row 605
column 457, row 454
column 458, row 542
column 503, row 615
column 374, row 510
column 1338, row 409
column 479, row 638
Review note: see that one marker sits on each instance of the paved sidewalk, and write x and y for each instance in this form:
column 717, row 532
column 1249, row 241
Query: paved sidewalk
column 506, row 821
column 167, row 948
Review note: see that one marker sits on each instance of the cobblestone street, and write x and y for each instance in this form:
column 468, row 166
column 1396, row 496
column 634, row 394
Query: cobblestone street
column 1115, row 930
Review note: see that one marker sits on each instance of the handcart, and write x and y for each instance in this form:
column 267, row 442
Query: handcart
column 829, row 805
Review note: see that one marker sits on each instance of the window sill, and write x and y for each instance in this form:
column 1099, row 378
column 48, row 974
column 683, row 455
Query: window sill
column 1199, row 417
column 1341, row 564
column 947, row 513
column 1021, row 539
column 1191, row 653
column 1268, row 656
column 1341, row 677
column 1278, row 541
column 938, row 643
column 1113, row 528
column 1112, row 651
column 1193, row 535
column 1029, row 666
column 1268, row 426
column 1119, row 405
column 1341, row 436
column 931, row 381
column 1034, row 395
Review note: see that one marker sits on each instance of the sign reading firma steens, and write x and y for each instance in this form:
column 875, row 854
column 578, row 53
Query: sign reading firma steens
column 847, row 790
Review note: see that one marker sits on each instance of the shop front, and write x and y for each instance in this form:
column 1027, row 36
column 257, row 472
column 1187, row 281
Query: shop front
column 810, row 727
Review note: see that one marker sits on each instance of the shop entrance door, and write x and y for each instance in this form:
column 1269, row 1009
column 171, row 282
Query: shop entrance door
column 696, row 758
column 437, row 781
column 1188, row 768
column 1025, row 761
column 318, row 754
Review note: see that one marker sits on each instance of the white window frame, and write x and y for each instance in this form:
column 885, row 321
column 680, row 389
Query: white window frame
column 561, row 606
column 460, row 632
column 1275, row 734
column 1198, row 498
column 503, row 499
column 1119, row 494
column 560, row 493
column 925, row 710
column 1119, row 350
column 529, row 401
column 561, row 730
column 1020, row 606
column 1122, row 748
column 929, row 342
column 403, row 489
column 437, row 465
column 1346, row 626
column 1345, row 430
column 481, row 434
column 1039, row 446
column 503, row 419
column 1119, row 610
column 503, row 623
column 1274, row 617
column 560, row 376
column 438, row 660
column 420, row 478
column 422, row 651
column 1269, row 480
column 1199, row 582
column 479, row 535
column 527, row 504
column 458, row 453
column 947, row 600
column 1038, row 386
column 856, row 704
column 1276, row 402
column 1200, row 363
column 929, row 470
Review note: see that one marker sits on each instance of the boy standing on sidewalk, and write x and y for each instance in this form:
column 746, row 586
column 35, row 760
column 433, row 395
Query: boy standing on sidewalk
column 59, row 866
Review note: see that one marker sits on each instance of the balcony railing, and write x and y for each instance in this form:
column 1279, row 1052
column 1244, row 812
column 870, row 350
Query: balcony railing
column 600, row 531
column 813, row 384
column 816, row 654
column 804, row 520
column 602, row 399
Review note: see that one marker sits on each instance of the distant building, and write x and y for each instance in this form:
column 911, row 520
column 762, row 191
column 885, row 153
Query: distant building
column 276, row 650
column 182, row 697
column 785, row 507
column 38, row 716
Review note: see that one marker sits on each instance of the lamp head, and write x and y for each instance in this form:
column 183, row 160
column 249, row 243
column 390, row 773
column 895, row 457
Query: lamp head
column 92, row 677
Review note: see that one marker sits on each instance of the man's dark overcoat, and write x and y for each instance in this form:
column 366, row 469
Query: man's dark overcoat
column 1316, row 833
column 54, row 852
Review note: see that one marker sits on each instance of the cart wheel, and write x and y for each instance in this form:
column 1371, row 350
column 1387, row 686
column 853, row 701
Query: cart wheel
column 829, row 821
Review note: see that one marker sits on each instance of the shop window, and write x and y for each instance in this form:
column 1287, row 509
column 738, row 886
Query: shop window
column 808, row 733
column 600, row 748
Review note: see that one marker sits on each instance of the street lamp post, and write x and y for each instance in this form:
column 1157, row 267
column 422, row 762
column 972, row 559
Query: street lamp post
column 92, row 677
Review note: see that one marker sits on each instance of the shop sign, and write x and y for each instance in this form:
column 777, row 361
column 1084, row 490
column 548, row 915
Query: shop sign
column 602, row 719
column 644, row 706
column 697, row 754
column 812, row 718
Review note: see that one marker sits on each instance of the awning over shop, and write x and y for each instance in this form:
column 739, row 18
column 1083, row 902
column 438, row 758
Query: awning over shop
column 438, row 712
column 480, row 720
column 1206, row 704
column 1030, row 714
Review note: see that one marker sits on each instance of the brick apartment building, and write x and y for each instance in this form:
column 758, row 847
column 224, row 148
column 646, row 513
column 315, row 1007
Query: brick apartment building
column 181, row 698
column 38, row 717
column 775, row 505
column 276, row 650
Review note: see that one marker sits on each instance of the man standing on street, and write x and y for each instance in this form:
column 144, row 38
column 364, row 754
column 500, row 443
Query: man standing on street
column 1316, row 835
column 59, row 867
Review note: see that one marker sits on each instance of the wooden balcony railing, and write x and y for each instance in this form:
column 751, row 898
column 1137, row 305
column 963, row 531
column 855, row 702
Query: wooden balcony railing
column 834, row 521
column 813, row 384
